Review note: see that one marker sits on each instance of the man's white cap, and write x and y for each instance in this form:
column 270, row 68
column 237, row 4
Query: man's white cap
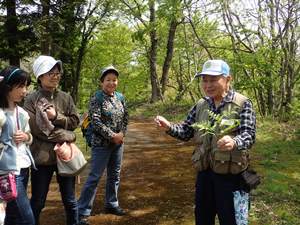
column 43, row 64
column 214, row 67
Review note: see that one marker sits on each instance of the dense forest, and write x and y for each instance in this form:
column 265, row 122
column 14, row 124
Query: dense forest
column 158, row 46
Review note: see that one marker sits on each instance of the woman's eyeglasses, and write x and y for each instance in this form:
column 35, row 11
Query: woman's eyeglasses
column 53, row 74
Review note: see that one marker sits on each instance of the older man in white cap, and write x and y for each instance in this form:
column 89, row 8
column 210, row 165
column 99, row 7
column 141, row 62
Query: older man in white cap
column 220, row 161
column 62, row 118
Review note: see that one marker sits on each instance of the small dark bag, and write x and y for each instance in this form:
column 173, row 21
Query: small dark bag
column 250, row 180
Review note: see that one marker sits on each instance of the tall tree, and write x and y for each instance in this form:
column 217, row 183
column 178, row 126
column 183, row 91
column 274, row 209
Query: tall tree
column 45, row 31
column 65, row 30
column 149, row 17
column 17, row 38
column 11, row 28
column 271, row 44
column 111, row 46
column 156, row 92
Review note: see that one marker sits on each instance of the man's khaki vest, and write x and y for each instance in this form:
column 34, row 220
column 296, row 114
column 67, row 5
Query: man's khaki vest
column 207, row 155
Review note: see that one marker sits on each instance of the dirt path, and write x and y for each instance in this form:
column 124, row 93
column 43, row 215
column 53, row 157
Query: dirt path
column 157, row 183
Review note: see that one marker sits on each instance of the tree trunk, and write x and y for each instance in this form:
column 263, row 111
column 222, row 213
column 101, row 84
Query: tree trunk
column 76, row 77
column 156, row 94
column 69, row 32
column 270, row 93
column 45, row 40
column 169, row 55
column 262, row 101
column 86, row 34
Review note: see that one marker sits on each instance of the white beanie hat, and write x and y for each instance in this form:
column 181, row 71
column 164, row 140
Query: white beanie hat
column 44, row 64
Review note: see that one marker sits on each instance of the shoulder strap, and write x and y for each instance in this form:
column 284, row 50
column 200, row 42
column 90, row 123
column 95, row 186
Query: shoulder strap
column 99, row 96
column 200, row 104
column 2, row 117
column 120, row 96
column 239, row 99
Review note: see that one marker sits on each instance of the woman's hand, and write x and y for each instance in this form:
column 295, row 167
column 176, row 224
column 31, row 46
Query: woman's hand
column 162, row 122
column 226, row 143
column 51, row 112
column 20, row 137
column 118, row 138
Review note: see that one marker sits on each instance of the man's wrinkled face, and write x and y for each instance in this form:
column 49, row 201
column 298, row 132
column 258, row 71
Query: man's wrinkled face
column 215, row 86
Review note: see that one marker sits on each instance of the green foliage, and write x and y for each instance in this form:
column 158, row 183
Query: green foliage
column 111, row 46
column 218, row 124
column 24, row 38
column 295, row 112
column 261, row 60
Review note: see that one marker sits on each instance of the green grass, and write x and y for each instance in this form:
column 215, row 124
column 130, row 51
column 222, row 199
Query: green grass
column 277, row 158
column 80, row 142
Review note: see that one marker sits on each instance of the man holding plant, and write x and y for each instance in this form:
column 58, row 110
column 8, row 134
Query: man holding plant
column 222, row 125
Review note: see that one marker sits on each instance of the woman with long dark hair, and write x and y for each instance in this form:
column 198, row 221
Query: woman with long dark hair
column 16, row 138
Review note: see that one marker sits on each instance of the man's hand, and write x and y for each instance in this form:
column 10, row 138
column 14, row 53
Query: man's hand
column 162, row 122
column 226, row 143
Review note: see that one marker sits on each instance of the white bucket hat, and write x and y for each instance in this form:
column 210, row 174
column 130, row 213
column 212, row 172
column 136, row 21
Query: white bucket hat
column 44, row 64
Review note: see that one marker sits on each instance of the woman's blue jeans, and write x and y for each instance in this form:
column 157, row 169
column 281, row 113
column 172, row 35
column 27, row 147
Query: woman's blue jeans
column 19, row 211
column 40, row 181
column 109, row 158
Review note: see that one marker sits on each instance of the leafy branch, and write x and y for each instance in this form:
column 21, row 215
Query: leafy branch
column 218, row 124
